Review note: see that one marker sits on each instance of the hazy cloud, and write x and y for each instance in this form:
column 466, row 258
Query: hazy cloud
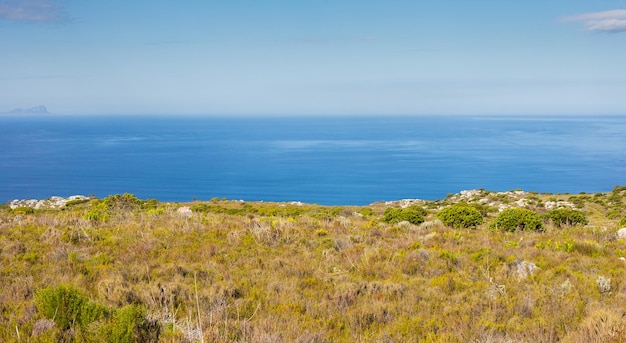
column 607, row 21
column 36, row 11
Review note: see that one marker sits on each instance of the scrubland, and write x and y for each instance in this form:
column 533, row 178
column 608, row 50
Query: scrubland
column 123, row 269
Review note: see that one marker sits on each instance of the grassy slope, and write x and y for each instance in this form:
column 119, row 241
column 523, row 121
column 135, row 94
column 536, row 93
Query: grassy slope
column 265, row 272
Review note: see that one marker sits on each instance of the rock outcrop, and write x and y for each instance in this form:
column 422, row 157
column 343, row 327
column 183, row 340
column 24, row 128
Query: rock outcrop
column 54, row 202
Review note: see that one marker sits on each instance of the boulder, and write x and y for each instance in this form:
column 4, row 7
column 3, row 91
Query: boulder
column 184, row 211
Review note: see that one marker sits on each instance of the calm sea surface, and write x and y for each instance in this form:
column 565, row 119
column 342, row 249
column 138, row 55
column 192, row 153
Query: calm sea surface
column 333, row 161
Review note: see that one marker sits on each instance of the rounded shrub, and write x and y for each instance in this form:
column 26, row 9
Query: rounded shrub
column 513, row 219
column 412, row 214
column 124, row 201
column 67, row 307
column 460, row 216
column 565, row 217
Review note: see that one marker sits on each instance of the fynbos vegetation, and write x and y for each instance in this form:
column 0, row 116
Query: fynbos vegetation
column 478, row 266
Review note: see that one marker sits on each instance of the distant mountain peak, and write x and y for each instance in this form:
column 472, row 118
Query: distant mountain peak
column 33, row 110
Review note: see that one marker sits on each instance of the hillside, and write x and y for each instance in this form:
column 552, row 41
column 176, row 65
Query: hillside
column 121, row 269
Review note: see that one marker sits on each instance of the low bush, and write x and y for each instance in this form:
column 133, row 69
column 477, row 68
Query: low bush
column 101, row 211
column 128, row 325
column 412, row 214
column 565, row 217
column 513, row 219
column 73, row 313
column 460, row 216
column 68, row 308
column 75, row 202
column 124, row 201
column 23, row 210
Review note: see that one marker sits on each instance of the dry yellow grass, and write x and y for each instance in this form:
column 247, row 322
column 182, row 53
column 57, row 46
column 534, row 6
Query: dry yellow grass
column 271, row 272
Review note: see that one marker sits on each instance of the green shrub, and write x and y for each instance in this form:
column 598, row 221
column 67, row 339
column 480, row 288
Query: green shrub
column 124, row 201
column 75, row 202
column 206, row 208
column 411, row 214
column 565, row 216
column 366, row 211
column 98, row 212
column 622, row 223
column 129, row 324
column 67, row 307
column 102, row 210
column 460, row 216
column 517, row 219
column 23, row 210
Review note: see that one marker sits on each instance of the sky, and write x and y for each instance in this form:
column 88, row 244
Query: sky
column 314, row 57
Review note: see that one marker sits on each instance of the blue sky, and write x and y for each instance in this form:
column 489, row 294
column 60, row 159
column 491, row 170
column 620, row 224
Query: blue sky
column 308, row 57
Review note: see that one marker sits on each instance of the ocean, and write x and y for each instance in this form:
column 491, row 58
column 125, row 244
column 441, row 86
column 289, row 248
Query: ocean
column 324, row 160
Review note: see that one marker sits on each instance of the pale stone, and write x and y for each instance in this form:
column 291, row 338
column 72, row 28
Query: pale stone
column 184, row 211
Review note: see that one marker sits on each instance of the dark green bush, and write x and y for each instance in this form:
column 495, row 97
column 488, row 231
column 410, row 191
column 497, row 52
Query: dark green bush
column 513, row 219
column 565, row 217
column 411, row 214
column 460, row 216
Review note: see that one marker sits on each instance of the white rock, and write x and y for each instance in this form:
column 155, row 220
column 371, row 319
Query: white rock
column 621, row 233
column 524, row 269
column 54, row 202
column 184, row 211
column 549, row 205
column 521, row 202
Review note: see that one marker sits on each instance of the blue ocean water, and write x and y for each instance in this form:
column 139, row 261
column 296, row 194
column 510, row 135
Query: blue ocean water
column 324, row 160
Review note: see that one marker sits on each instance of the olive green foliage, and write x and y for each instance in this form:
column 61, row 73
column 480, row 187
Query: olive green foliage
column 565, row 217
column 72, row 203
column 68, row 307
column 412, row 214
column 101, row 210
column 460, row 216
column 129, row 324
column 124, row 201
column 74, row 314
column 238, row 208
column 513, row 219
column 23, row 210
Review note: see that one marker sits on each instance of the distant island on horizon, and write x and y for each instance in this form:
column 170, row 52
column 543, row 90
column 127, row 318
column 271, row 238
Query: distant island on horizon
column 32, row 110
